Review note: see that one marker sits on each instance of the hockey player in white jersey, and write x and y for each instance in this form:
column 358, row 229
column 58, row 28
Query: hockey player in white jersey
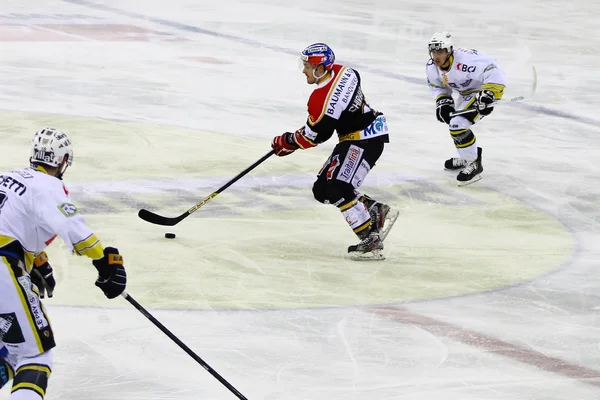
column 34, row 209
column 479, row 81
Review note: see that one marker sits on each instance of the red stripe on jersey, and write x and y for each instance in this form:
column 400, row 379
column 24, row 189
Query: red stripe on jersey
column 318, row 98
column 303, row 141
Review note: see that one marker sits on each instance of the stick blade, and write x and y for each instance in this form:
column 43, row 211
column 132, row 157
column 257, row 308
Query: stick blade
column 156, row 219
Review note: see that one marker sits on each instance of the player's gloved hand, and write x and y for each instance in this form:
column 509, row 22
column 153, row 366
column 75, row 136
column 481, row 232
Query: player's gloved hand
column 284, row 144
column 444, row 106
column 483, row 100
column 42, row 275
column 112, row 278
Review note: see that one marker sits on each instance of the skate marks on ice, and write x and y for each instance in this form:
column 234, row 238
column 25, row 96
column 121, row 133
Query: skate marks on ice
column 265, row 242
column 527, row 355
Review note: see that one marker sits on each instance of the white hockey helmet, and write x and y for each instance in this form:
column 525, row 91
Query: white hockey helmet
column 51, row 147
column 441, row 40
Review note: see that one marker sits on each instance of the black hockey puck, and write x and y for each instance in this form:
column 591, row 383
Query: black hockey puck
column 170, row 235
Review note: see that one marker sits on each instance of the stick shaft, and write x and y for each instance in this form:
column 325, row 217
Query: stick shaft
column 183, row 346
column 157, row 219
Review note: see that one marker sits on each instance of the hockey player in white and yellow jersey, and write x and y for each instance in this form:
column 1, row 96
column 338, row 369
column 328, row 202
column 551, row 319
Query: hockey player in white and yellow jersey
column 34, row 209
column 478, row 81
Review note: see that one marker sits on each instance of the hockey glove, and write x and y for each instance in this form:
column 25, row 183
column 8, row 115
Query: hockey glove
column 42, row 275
column 112, row 278
column 483, row 100
column 444, row 106
column 284, row 144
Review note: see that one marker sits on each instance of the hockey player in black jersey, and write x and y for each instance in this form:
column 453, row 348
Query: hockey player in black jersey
column 338, row 104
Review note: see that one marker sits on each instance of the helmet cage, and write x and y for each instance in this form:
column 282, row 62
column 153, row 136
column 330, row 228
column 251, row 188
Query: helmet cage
column 438, row 46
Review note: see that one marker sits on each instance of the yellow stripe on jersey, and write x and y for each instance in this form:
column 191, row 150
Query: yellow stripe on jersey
column 468, row 92
column 29, row 259
column 350, row 136
column 29, row 256
column 331, row 90
column 4, row 240
column 11, row 373
column 25, row 304
column 496, row 88
column 89, row 247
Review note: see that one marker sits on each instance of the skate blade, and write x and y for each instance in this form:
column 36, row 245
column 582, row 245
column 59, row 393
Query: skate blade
column 375, row 255
column 466, row 183
column 390, row 219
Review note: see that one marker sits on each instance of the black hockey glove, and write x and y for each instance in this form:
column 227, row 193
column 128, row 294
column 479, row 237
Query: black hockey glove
column 42, row 275
column 483, row 100
column 444, row 106
column 112, row 278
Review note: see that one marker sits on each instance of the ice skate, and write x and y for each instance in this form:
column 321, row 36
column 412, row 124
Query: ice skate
column 455, row 163
column 383, row 218
column 471, row 173
column 369, row 248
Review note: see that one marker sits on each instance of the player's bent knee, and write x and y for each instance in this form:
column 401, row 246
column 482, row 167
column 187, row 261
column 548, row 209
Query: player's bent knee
column 460, row 122
column 344, row 193
column 340, row 193
column 31, row 377
column 320, row 191
column 334, row 192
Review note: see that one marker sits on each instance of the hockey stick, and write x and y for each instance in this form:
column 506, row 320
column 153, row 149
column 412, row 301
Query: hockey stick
column 501, row 101
column 160, row 220
column 183, row 346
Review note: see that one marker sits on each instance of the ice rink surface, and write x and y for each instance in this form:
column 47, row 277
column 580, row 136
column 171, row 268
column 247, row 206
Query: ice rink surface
column 488, row 292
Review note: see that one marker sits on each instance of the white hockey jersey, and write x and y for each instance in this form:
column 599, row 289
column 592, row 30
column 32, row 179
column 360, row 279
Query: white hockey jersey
column 470, row 71
column 35, row 208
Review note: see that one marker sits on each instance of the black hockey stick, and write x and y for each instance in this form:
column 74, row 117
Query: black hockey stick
column 183, row 346
column 160, row 220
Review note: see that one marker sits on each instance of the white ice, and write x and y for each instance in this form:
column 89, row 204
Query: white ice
column 488, row 292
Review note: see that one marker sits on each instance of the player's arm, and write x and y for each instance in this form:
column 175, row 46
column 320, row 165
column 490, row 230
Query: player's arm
column 494, row 81
column 319, row 127
column 493, row 77
column 444, row 103
column 59, row 215
column 310, row 135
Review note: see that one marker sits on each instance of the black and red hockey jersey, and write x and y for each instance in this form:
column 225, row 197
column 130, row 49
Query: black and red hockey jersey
column 338, row 104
